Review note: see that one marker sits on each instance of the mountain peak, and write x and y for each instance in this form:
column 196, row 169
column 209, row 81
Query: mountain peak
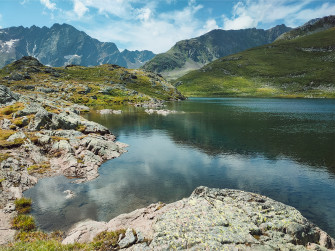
column 312, row 26
column 63, row 44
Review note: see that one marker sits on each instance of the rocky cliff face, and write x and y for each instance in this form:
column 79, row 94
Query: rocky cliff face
column 212, row 219
column 61, row 45
column 311, row 27
column 194, row 53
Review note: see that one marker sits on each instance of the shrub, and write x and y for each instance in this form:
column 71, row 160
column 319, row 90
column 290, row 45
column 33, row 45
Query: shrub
column 24, row 222
column 23, row 205
column 107, row 240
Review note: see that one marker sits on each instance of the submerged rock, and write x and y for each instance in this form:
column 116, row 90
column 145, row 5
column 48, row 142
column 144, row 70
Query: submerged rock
column 211, row 219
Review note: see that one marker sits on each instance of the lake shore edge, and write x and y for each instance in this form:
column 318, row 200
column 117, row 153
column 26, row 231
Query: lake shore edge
column 83, row 146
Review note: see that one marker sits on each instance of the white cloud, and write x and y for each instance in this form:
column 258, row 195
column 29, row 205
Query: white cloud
column 48, row 4
column 325, row 10
column 249, row 14
column 79, row 8
column 145, row 29
column 211, row 25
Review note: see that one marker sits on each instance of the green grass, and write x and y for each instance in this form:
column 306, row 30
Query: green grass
column 23, row 205
column 85, row 85
column 281, row 69
column 23, row 222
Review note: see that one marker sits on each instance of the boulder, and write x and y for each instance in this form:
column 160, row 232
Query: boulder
column 18, row 135
column 214, row 219
column 62, row 146
column 128, row 240
column 7, row 96
column 42, row 120
column 84, row 232
column 5, row 124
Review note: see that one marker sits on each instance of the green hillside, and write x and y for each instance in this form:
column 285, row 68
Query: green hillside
column 99, row 85
column 192, row 54
column 301, row 67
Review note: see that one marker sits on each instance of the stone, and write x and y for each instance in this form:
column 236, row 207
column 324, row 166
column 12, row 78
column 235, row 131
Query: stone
column 84, row 232
column 18, row 135
column 62, row 146
column 223, row 219
column 15, row 76
column 42, row 120
column 7, row 234
column 46, row 90
column 7, row 96
column 9, row 208
column 128, row 240
column 11, row 164
column 109, row 111
column 5, row 124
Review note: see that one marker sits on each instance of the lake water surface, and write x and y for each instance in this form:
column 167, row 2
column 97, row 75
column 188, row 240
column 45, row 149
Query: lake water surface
column 281, row 148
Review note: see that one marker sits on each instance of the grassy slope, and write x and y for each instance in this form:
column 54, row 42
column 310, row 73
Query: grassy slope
column 72, row 81
column 281, row 69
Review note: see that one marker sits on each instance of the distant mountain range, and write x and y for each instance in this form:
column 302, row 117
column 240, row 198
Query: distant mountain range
column 301, row 63
column 61, row 45
column 194, row 53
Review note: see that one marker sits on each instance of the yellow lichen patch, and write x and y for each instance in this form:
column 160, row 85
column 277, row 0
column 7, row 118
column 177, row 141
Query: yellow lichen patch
column 39, row 168
column 5, row 134
column 4, row 156
column 57, row 138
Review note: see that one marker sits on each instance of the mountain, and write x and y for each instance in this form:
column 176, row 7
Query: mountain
column 194, row 53
column 311, row 27
column 300, row 67
column 136, row 59
column 63, row 44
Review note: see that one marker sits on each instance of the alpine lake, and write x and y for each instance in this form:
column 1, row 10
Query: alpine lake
column 280, row 148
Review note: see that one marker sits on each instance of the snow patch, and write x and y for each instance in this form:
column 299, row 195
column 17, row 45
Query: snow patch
column 11, row 43
column 7, row 46
column 72, row 56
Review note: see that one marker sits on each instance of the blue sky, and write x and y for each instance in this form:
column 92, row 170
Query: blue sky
column 158, row 24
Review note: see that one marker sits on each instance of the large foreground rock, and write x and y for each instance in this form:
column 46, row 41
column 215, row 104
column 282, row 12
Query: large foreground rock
column 6, row 95
column 212, row 219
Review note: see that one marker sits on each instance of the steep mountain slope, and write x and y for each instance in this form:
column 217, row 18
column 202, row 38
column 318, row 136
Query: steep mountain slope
column 194, row 53
column 61, row 45
column 98, row 85
column 311, row 27
column 301, row 67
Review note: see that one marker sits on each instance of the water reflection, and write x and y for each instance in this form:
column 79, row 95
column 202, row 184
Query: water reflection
column 215, row 143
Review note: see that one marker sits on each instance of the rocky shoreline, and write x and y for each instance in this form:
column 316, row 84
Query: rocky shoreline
column 44, row 137
column 211, row 219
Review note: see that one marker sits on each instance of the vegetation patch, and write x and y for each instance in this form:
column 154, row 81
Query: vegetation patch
column 39, row 168
column 107, row 240
column 4, row 144
column 23, row 205
column 281, row 69
column 9, row 110
column 23, row 222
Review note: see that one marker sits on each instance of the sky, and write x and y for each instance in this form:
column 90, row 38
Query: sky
column 157, row 25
